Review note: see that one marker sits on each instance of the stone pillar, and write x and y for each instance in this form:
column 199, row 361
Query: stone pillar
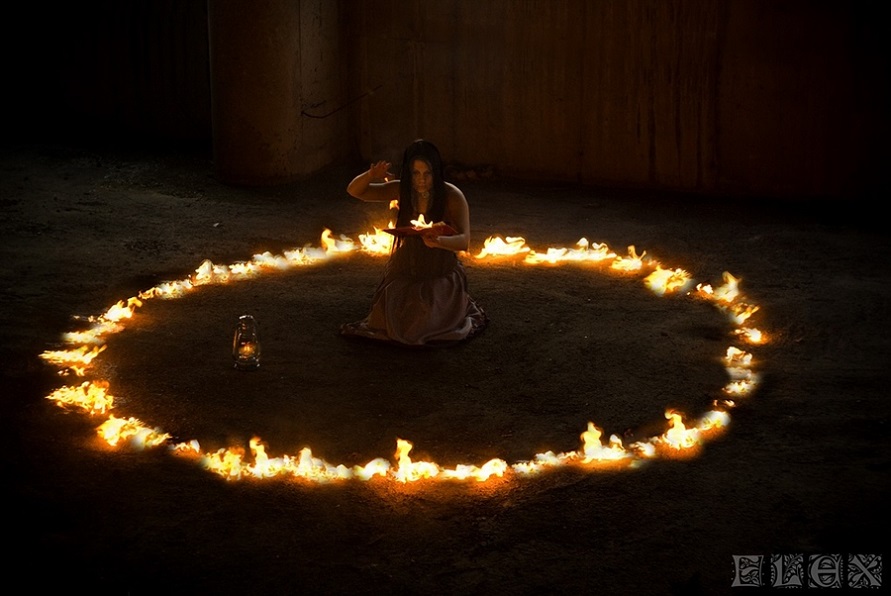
column 255, row 90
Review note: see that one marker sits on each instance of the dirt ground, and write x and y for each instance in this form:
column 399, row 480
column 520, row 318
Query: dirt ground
column 802, row 468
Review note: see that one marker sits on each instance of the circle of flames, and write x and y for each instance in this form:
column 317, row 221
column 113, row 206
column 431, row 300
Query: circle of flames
column 682, row 437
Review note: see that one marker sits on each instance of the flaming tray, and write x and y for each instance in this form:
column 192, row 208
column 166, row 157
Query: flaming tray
column 437, row 229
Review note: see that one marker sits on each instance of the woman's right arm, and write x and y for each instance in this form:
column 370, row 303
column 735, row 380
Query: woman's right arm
column 363, row 188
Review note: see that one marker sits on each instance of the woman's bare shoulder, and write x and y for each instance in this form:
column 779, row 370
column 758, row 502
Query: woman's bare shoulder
column 453, row 193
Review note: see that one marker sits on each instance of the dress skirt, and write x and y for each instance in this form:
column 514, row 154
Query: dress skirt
column 422, row 300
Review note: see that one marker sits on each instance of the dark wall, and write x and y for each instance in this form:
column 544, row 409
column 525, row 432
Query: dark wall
column 784, row 97
column 740, row 97
column 277, row 81
column 103, row 69
column 802, row 97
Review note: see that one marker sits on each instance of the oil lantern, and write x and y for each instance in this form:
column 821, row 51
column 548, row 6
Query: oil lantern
column 246, row 344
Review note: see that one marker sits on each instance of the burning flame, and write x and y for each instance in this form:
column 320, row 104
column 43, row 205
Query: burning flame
column 378, row 243
column 584, row 252
column 594, row 449
column 726, row 293
column 663, row 281
column 740, row 313
column 678, row 436
column 632, row 262
column 753, row 336
column 421, row 222
column 115, row 430
column 682, row 437
column 92, row 398
column 495, row 246
column 409, row 471
column 83, row 356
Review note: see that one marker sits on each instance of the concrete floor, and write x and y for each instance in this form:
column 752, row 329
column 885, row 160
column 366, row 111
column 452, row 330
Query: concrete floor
column 802, row 469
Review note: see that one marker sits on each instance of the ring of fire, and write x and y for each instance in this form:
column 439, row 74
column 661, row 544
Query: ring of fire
column 681, row 437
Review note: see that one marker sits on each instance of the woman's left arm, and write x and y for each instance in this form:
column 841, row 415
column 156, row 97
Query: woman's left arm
column 457, row 213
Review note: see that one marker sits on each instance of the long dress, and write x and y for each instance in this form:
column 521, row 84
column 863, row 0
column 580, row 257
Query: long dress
column 422, row 300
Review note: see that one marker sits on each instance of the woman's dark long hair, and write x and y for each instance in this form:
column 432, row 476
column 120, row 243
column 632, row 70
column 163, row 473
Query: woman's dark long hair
column 427, row 151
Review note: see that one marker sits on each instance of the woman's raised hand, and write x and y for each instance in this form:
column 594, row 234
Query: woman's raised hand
column 368, row 186
column 380, row 170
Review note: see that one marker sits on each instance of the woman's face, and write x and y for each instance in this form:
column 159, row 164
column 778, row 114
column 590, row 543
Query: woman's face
column 421, row 176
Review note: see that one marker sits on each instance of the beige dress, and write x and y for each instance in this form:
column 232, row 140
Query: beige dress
column 422, row 300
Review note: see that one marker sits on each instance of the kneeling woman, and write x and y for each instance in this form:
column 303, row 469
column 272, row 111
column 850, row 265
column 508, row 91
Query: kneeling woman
column 422, row 299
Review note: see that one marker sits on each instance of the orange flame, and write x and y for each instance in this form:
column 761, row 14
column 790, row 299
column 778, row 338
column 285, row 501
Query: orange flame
column 378, row 243
column 495, row 246
column 583, row 252
column 738, row 365
column 632, row 262
column 678, row 436
column 753, row 336
column 409, row 471
column 740, row 313
column 730, row 290
column 662, row 281
column 78, row 356
column 93, row 398
column 493, row 468
column 114, row 430
column 421, row 222
column 595, row 451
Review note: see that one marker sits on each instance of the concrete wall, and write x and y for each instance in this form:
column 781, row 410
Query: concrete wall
column 104, row 68
column 803, row 97
column 276, row 70
column 746, row 97
column 749, row 97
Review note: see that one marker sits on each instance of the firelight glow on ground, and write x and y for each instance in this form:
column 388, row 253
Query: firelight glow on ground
column 683, row 436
